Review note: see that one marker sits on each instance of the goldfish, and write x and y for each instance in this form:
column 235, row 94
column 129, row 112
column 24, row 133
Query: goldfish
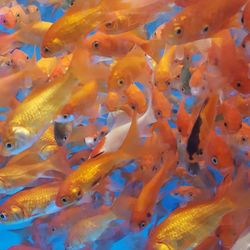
column 91, row 172
column 121, row 21
column 119, row 45
column 202, row 217
column 62, row 132
column 212, row 18
column 26, row 125
column 183, row 120
column 242, row 138
column 31, row 33
column 167, row 70
column 15, row 176
column 29, row 204
column 7, row 19
column 232, row 119
column 162, row 107
column 136, row 99
column 89, row 229
column 80, row 103
column 127, row 70
column 10, row 84
column 142, row 210
column 76, row 22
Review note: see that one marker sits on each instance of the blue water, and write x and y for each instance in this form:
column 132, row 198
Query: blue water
column 132, row 240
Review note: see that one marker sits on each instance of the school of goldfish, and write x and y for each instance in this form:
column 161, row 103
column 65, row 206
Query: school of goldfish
column 108, row 124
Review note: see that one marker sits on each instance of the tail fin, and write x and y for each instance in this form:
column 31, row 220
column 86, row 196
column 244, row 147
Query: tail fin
column 153, row 48
column 237, row 190
column 131, row 144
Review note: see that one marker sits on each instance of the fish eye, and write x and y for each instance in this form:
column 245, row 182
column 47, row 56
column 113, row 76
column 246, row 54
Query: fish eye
column 8, row 145
column 167, row 83
column 183, row 89
column 95, row 44
column 176, row 193
column 4, row 20
column 178, row 30
column 109, row 25
column 190, row 194
column 243, row 139
column 65, row 117
column 242, row 20
column 64, row 200
column 179, row 129
column 53, row 229
column 27, row 58
column 120, row 82
column 243, row 45
column 238, row 84
column 3, row 216
column 17, row 14
column 65, row 138
column 159, row 113
column 205, row 29
column 142, row 224
column 225, row 124
column 214, row 160
column 79, row 193
column 46, row 50
column 149, row 215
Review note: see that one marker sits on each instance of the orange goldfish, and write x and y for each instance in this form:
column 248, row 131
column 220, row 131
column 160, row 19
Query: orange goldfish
column 129, row 69
column 161, row 105
column 16, row 176
column 143, row 208
column 31, row 33
column 242, row 138
column 119, row 45
column 212, row 18
column 232, row 119
column 77, row 22
column 187, row 227
column 167, row 70
column 29, row 75
column 126, row 20
column 92, row 171
column 81, row 103
column 136, row 99
column 183, row 120
column 29, row 204
column 18, row 58
column 218, row 153
column 7, row 19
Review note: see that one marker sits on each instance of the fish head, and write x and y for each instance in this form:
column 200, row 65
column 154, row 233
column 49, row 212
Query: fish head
column 163, row 81
column 11, row 214
column 119, row 81
column 112, row 24
column 51, row 47
column 68, row 194
column 140, row 219
column 16, row 140
column 62, row 132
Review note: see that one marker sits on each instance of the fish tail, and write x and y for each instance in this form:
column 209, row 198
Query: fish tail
column 153, row 48
column 131, row 145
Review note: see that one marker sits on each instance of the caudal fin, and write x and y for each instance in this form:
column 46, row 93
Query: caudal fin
column 154, row 48
column 131, row 145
